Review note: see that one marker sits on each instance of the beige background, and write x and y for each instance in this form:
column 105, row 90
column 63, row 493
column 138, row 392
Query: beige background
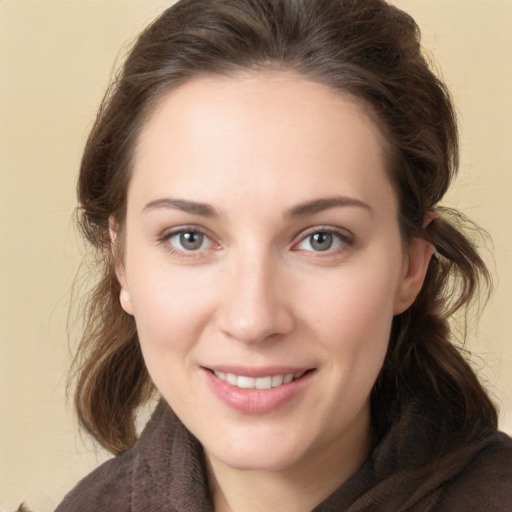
column 55, row 61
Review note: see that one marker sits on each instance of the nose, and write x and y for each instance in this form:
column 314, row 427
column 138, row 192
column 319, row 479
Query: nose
column 255, row 305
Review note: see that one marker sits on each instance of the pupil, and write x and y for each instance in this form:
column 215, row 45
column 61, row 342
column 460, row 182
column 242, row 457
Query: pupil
column 321, row 241
column 191, row 241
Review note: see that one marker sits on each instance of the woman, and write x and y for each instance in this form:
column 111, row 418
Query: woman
column 262, row 185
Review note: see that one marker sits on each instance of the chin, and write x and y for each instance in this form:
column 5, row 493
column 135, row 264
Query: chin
column 254, row 453
column 257, row 461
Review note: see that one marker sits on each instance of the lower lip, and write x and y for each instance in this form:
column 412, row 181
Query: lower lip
column 255, row 401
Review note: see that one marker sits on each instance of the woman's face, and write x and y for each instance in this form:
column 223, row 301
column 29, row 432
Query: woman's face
column 262, row 246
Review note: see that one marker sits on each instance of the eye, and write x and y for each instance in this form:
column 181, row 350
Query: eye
column 323, row 241
column 188, row 240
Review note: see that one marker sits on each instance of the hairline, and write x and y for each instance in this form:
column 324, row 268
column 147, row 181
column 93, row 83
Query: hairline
column 155, row 99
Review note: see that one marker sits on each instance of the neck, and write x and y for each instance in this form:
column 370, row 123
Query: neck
column 298, row 488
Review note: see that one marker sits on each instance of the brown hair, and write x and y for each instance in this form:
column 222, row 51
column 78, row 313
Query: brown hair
column 365, row 48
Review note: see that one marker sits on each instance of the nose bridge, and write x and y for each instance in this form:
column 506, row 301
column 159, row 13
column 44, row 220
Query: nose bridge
column 255, row 305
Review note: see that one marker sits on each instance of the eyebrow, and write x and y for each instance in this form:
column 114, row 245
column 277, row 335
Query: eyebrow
column 192, row 207
column 301, row 210
column 319, row 205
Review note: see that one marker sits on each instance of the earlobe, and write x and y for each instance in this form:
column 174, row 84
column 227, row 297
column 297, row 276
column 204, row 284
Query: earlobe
column 126, row 301
column 124, row 294
column 419, row 254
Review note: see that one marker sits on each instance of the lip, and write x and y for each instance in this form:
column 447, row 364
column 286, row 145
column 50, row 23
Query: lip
column 256, row 401
column 258, row 372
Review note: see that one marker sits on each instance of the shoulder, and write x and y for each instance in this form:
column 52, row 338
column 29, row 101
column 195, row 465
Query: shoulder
column 485, row 481
column 164, row 470
column 113, row 479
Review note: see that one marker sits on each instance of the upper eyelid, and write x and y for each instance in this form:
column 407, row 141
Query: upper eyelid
column 346, row 239
column 343, row 232
column 166, row 235
column 169, row 232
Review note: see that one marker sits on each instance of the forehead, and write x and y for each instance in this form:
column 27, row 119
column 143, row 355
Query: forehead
column 254, row 96
column 260, row 132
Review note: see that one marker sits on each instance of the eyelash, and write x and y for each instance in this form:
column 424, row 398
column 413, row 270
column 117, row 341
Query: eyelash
column 165, row 238
column 344, row 240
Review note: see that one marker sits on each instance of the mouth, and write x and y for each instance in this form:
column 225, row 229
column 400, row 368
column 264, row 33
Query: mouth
column 257, row 391
column 267, row 382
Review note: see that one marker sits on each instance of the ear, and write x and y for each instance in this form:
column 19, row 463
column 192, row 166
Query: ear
column 124, row 294
column 125, row 300
column 416, row 262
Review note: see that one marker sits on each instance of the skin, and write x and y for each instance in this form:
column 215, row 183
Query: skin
column 257, row 293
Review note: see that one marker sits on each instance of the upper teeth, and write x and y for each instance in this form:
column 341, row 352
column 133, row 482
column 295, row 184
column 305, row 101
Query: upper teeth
column 242, row 381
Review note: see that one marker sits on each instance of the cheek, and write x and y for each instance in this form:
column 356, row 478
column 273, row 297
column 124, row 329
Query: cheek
column 170, row 316
column 354, row 302
column 170, row 306
column 352, row 317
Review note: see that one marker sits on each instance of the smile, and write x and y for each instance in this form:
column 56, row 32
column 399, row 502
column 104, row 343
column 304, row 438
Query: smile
column 268, row 382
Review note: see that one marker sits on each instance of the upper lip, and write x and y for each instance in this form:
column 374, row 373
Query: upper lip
column 262, row 371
